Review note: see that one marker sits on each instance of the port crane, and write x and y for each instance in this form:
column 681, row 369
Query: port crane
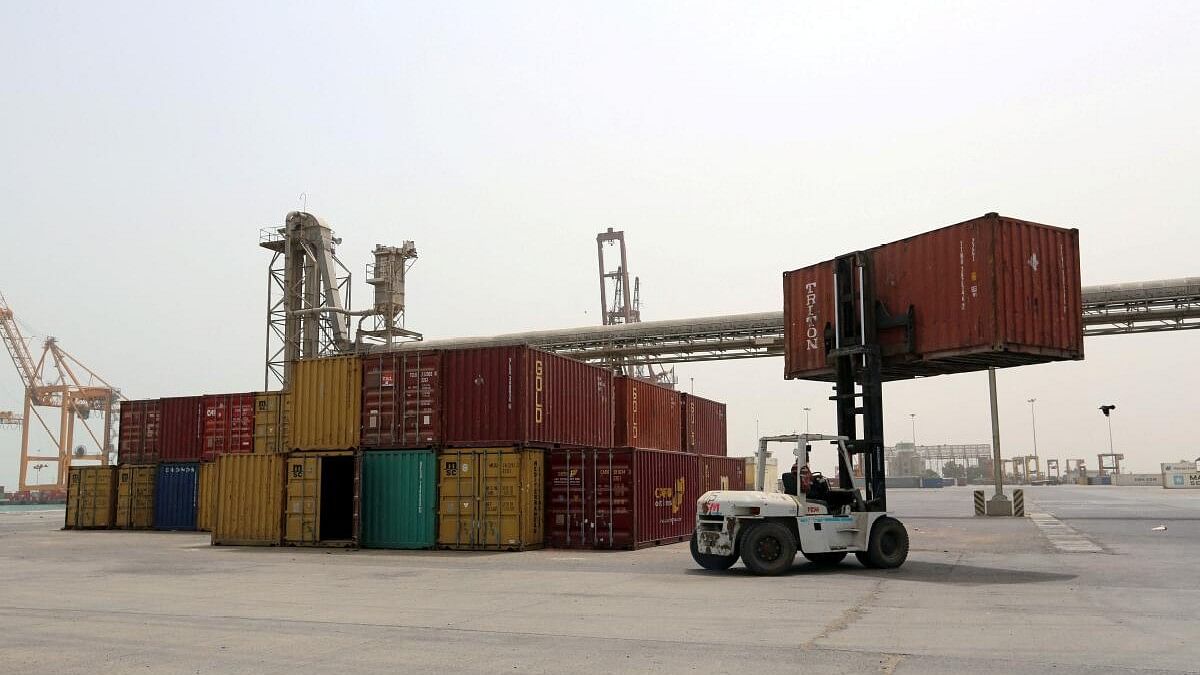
column 58, row 380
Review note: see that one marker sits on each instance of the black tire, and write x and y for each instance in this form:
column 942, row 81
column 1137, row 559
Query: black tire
column 887, row 547
column 709, row 561
column 768, row 548
column 826, row 559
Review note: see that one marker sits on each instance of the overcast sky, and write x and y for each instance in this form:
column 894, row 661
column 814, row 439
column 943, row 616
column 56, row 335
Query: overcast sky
column 145, row 144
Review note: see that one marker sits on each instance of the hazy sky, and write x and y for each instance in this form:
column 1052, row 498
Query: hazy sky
column 145, row 144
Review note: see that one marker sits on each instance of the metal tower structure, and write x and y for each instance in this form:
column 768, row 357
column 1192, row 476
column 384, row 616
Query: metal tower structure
column 387, row 276
column 625, row 307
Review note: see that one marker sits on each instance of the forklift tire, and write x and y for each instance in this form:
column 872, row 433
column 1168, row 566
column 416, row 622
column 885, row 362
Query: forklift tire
column 888, row 546
column 768, row 548
column 709, row 561
column 823, row 559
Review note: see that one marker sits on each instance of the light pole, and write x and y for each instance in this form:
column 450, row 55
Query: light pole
column 806, row 411
column 913, row 417
column 1033, row 419
column 1107, row 410
column 38, row 468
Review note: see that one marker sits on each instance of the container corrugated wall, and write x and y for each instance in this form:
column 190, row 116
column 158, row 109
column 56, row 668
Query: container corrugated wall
column 722, row 473
column 175, row 491
column 206, row 497
column 228, row 425
column 270, row 425
column 621, row 498
column 399, row 499
column 402, row 400
column 323, row 407
column 249, row 509
column 180, row 429
column 991, row 291
column 491, row 499
column 322, row 503
column 705, row 429
column 518, row 396
column 647, row 415
column 91, row 497
column 135, row 497
column 138, row 435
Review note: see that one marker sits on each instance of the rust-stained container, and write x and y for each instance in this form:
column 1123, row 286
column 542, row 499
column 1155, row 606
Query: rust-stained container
column 621, row 498
column 647, row 415
column 135, row 497
column 180, row 429
column 206, row 498
column 249, row 509
column 323, row 407
column 228, row 425
column 491, row 499
column 402, row 400
column 722, row 473
column 988, row 292
column 498, row 396
column 704, row 429
column 138, row 436
column 91, row 497
column 270, row 427
column 322, row 505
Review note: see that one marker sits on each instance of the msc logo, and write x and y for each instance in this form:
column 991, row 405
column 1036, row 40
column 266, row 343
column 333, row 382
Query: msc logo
column 537, row 391
column 297, row 471
column 673, row 496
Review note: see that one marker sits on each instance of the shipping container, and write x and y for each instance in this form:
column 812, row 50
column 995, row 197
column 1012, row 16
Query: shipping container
column 621, row 498
column 180, row 429
column 1175, row 479
column 228, row 425
column 722, row 473
column 323, row 407
column 491, row 499
column 175, row 491
column 206, row 497
column 270, row 425
column 522, row 396
column 249, row 509
column 91, row 497
column 399, row 499
column 988, row 292
column 402, row 400
column 647, row 415
column 138, row 436
column 705, row 429
column 770, row 475
column 322, row 498
column 135, row 497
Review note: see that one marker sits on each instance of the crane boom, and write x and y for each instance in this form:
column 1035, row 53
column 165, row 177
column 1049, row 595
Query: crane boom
column 17, row 349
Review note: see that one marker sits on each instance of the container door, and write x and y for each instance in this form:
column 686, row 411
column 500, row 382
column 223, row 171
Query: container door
column 268, row 423
column 206, row 497
column 73, row 498
column 143, row 497
column 499, row 500
column 567, row 499
column 302, row 524
column 457, row 498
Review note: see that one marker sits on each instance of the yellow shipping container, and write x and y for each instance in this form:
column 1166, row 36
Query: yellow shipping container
column 491, row 499
column 322, row 499
column 324, row 404
column 206, row 497
column 249, row 509
column 269, row 423
column 135, row 496
column 91, row 497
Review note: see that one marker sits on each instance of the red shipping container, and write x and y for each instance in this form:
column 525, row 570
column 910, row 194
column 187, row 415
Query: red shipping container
column 402, row 400
column 705, row 429
column 228, row 425
column 987, row 292
column 722, row 473
column 647, row 415
column 138, row 435
column 521, row 396
column 622, row 498
column 180, row 427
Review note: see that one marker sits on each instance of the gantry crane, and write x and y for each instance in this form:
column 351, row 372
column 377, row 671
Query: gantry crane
column 54, row 381
column 626, row 306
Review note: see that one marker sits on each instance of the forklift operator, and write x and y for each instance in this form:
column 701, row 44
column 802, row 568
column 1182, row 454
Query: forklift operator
column 802, row 473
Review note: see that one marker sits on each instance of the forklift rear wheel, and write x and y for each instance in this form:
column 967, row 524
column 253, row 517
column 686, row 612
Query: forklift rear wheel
column 768, row 548
column 709, row 561
column 887, row 547
column 831, row 558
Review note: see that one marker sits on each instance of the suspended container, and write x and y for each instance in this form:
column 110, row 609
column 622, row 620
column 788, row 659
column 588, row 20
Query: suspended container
column 399, row 499
column 491, row 499
column 181, row 427
column 647, row 415
column 138, row 435
column 91, row 497
column 249, row 505
column 325, row 403
column 206, row 497
column 228, row 425
column 723, row 473
column 705, row 428
column 270, row 437
column 135, row 497
column 176, row 490
column 402, row 400
column 322, row 506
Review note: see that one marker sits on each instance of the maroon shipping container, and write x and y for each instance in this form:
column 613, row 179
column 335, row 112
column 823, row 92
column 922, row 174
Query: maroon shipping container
column 228, row 425
column 704, row 429
column 722, row 473
column 647, row 415
column 521, row 396
column 137, row 437
column 402, row 400
column 988, row 292
column 622, row 498
column 180, row 427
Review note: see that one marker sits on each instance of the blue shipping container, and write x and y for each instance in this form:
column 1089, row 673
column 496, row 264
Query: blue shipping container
column 175, row 496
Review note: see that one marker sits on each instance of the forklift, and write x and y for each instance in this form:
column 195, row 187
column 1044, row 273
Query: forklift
column 823, row 523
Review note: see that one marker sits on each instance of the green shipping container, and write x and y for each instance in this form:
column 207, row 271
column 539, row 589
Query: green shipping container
column 399, row 495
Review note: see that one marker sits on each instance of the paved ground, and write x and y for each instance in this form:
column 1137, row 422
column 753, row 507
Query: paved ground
column 977, row 595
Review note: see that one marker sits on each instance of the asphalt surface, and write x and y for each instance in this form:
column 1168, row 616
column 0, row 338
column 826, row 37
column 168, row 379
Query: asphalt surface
column 977, row 595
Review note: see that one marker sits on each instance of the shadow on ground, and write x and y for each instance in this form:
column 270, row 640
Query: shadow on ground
column 928, row 572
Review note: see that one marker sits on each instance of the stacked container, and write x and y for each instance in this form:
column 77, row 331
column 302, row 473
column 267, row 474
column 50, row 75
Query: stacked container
column 135, row 496
column 704, row 428
column 228, row 426
column 91, row 497
column 138, row 437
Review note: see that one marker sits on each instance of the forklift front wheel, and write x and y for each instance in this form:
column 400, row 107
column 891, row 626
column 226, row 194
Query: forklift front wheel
column 709, row 561
column 768, row 548
column 888, row 546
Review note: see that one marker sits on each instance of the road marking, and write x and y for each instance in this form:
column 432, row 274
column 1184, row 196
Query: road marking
column 1064, row 538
